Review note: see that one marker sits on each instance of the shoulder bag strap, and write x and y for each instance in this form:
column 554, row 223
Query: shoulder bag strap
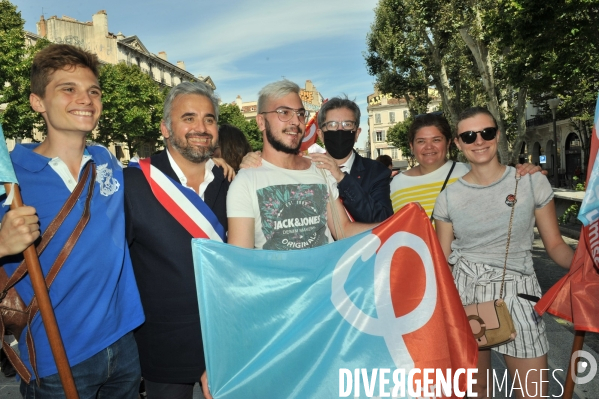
column 58, row 263
column 509, row 236
column 52, row 227
column 445, row 184
column 22, row 268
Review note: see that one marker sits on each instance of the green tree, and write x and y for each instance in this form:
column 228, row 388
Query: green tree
column 231, row 114
column 18, row 120
column 397, row 136
column 488, row 52
column 552, row 50
column 414, row 45
column 133, row 104
column 12, row 40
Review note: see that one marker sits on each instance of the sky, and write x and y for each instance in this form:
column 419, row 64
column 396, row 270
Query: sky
column 243, row 44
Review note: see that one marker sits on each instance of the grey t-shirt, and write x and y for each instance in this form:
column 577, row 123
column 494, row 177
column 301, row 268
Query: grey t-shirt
column 480, row 218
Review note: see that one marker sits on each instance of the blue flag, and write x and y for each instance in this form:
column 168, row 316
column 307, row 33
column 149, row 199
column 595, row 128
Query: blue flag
column 297, row 324
column 7, row 172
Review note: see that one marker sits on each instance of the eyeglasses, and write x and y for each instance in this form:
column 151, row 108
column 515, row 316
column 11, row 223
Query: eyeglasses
column 487, row 134
column 344, row 125
column 285, row 114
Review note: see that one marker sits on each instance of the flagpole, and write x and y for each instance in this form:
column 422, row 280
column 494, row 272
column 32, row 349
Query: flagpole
column 47, row 313
column 576, row 346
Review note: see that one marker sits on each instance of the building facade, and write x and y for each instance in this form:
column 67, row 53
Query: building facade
column 538, row 147
column 95, row 37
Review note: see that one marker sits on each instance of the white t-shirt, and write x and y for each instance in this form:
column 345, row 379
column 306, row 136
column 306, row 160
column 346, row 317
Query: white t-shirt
column 424, row 189
column 289, row 206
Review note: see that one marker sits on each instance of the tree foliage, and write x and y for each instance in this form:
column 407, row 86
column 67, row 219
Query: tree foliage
column 414, row 45
column 18, row 119
column 231, row 114
column 12, row 40
column 498, row 53
column 397, row 136
column 133, row 104
column 553, row 50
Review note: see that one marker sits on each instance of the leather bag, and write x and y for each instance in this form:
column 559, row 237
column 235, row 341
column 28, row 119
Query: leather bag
column 14, row 315
column 491, row 321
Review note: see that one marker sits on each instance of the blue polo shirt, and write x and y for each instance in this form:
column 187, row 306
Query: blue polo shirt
column 94, row 296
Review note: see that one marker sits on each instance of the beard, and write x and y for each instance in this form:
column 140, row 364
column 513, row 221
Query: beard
column 192, row 153
column 279, row 145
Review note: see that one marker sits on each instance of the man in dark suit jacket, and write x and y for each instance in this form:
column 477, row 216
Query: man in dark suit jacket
column 363, row 183
column 170, row 341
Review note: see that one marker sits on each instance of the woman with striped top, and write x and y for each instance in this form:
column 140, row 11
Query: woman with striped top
column 429, row 137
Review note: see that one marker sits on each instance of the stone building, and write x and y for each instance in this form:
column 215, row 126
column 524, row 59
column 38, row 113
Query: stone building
column 384, row 111
column 311, row 99
column 112, row 48
column 538, row 147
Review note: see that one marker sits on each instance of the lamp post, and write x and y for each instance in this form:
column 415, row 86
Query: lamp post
column 553, row 103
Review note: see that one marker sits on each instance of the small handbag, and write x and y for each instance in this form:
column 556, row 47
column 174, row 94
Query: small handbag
column 490, row 321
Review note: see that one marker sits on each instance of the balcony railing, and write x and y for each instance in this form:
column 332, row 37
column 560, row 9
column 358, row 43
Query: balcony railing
column 538, row 121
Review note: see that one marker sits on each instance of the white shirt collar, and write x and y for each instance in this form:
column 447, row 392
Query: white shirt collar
column 208, row 175
column 63, row 171
column 346, row 166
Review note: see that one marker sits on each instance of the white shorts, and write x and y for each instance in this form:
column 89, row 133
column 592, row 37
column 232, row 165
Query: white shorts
column 477, row 282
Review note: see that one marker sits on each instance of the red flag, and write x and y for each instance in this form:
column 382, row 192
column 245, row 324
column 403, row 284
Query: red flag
column 429, row 348
column 310, row 136
column 576, row 296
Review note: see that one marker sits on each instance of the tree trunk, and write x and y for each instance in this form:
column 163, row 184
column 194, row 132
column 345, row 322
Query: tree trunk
column 520, row 124
column 443, row 86
column 483, row 62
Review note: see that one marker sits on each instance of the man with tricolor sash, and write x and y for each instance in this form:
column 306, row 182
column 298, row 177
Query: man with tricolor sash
column 170, row 198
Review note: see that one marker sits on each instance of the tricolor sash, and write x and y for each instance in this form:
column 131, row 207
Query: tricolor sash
column 183, row 204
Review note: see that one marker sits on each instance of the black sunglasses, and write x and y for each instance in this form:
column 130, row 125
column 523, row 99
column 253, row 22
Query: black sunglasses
column 487, row 134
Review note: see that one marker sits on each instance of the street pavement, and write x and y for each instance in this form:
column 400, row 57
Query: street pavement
column 559, row 332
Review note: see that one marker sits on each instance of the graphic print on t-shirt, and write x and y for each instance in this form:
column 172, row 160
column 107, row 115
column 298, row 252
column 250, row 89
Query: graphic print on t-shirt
column 293, row 215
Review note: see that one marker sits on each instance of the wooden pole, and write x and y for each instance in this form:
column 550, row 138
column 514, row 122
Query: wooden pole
column 46, row 311
column 572, row 367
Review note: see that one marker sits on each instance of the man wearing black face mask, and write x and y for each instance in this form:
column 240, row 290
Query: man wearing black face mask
column 363, row 183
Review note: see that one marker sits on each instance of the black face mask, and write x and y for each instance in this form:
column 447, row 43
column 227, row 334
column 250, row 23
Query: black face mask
column 339, row 143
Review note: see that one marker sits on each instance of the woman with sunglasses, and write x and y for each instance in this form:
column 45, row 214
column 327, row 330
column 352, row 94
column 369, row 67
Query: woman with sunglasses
column 472, row 219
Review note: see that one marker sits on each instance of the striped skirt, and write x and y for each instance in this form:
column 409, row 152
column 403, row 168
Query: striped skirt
column 477, row 282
